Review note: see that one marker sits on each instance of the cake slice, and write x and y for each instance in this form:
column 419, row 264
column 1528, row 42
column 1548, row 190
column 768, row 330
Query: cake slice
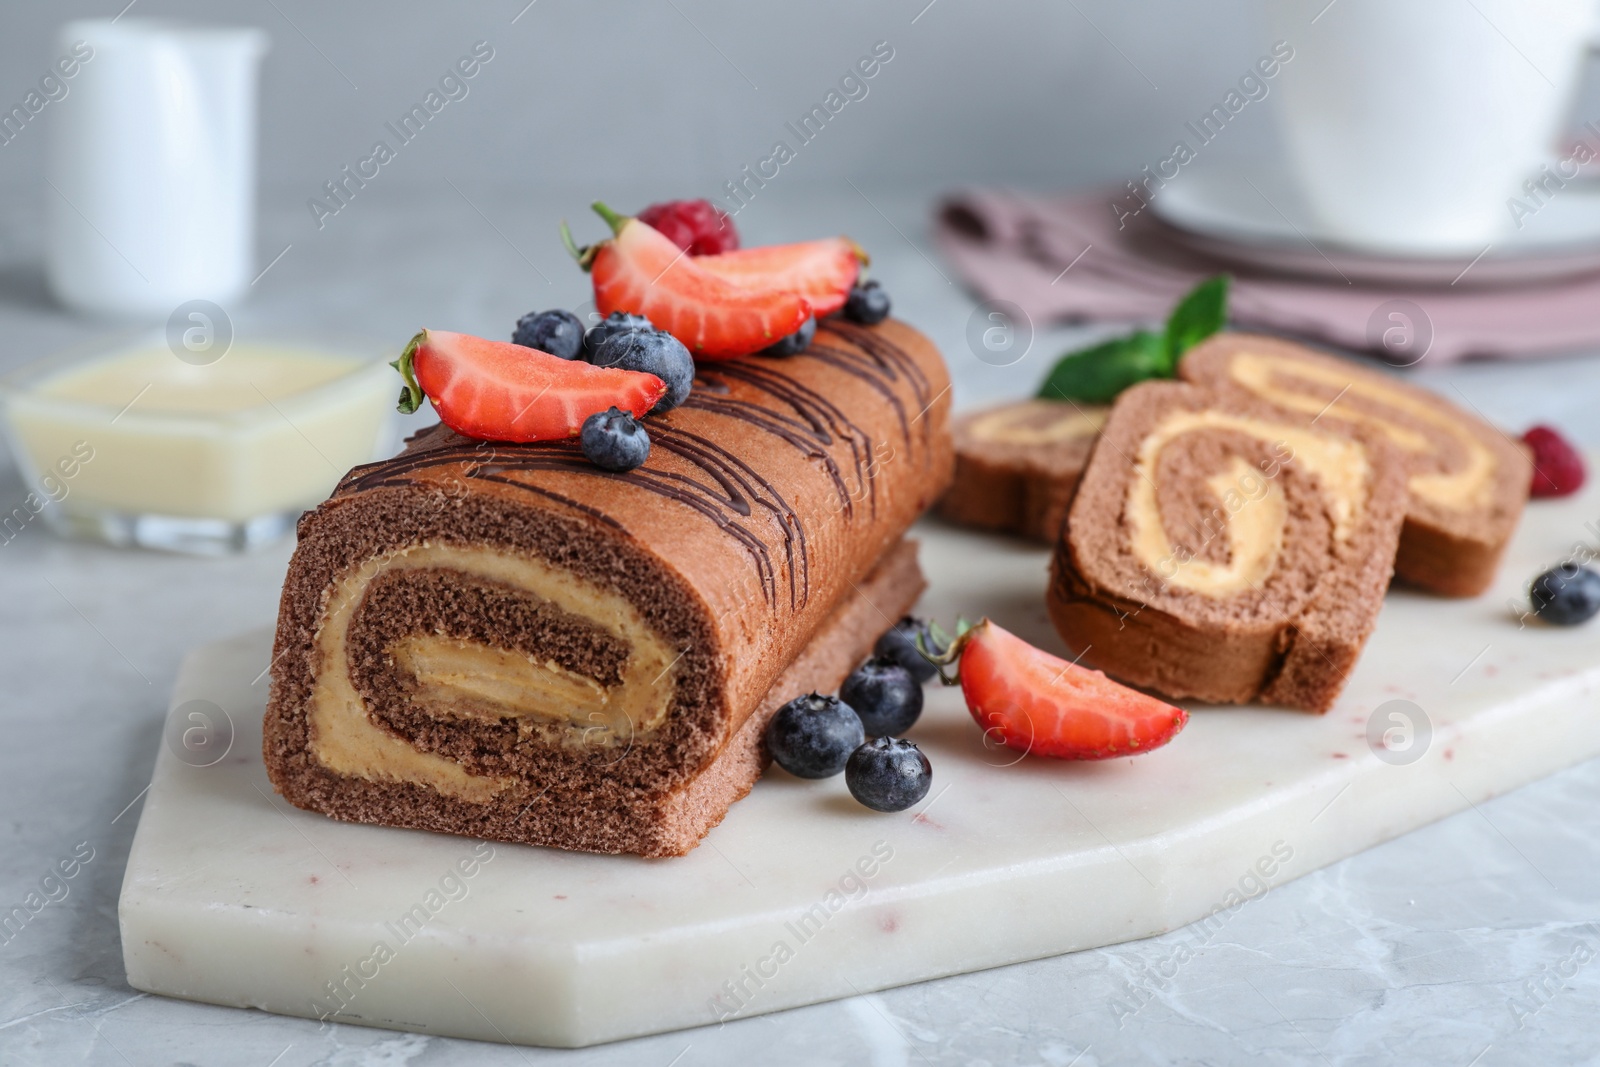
column 508, row 642
column 1017, row 464
column 1220, row 550
column 1468, row 481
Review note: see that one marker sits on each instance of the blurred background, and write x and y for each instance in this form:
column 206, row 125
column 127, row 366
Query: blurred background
column 1048, row 94
column 640, row 101
column 643, row 100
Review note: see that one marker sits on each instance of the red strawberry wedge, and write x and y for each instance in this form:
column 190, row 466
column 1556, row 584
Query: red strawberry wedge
column 498, row 391
column 821, row 271
column 641, row 272
column 1034, row 702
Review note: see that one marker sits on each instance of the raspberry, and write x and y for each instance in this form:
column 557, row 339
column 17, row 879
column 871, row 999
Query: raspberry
column 1557, row 467
column 696, row 226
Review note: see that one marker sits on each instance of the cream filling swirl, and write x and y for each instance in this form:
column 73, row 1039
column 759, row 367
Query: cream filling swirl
column 461, row 678
column 1470, row 485
column 1252, row 506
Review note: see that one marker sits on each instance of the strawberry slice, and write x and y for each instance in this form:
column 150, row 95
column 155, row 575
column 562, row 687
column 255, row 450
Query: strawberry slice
column 642, row 272
column 1034, row 702
column 498, row 391
column 821, row 271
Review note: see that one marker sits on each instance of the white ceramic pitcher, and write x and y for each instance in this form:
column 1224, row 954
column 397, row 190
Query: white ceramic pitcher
column 152, row 167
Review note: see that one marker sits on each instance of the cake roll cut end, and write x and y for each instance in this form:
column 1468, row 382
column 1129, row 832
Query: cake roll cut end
column 353, row 768
column 1017, row 465
column 1219, row 551
column 582, row 671
column 1466, row 481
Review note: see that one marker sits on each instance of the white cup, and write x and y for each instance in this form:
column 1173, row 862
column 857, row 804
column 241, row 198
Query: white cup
column 1410, row 123
column 152, row 163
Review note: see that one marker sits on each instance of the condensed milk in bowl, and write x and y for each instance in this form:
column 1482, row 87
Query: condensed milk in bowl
column 138, row 442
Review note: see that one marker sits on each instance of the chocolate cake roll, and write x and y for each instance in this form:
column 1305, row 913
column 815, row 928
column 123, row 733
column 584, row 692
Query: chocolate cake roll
column 1217, row 549
column 1468, row 481
column 507, row 642
column 1017, row 464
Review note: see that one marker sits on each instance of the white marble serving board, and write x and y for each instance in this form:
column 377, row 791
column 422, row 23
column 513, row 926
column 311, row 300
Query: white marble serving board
column 234, row 897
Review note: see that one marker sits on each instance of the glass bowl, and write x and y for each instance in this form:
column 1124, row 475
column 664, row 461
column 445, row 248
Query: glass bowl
column 138, row 442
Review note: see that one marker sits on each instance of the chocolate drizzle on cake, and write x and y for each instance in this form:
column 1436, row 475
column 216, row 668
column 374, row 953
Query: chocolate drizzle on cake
column 504, row 640
column 879, row 362
column 731, row 489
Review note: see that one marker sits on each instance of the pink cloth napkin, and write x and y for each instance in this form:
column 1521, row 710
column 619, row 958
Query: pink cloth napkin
column 1062, row 258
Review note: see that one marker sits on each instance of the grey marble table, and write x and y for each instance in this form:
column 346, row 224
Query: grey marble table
column 1469, row 942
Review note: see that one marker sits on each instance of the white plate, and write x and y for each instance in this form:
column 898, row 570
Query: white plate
column 1249, row 214
column 232, row 896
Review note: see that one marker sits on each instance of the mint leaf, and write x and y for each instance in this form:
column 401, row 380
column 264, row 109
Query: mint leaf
column 1096, row 375
column 1198, row 315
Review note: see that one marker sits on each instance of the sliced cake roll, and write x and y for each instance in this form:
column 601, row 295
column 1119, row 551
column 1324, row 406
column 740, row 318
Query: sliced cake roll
column 1219, row 550
column 1468, row 481
column 1017, row 464
column 508, row 642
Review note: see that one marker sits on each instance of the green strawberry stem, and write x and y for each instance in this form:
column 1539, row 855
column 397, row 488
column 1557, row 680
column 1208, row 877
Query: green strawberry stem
column 613, row 220
column 952, row 648
column 584, row 256
column 411, row 394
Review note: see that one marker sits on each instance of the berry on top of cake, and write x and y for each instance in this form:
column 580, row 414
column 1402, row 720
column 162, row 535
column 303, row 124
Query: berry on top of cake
column 698, row 227
column 728, row 304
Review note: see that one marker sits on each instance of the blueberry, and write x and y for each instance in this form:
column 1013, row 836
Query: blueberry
column 900, row 645
column 795, row 343
column 888, row 774
column 886, row 696
column 867, row 304
column 1566, row 596
column 653, row 352
column 617, row 320
column 812, row 736
column 614, row 441
column 559, row 333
